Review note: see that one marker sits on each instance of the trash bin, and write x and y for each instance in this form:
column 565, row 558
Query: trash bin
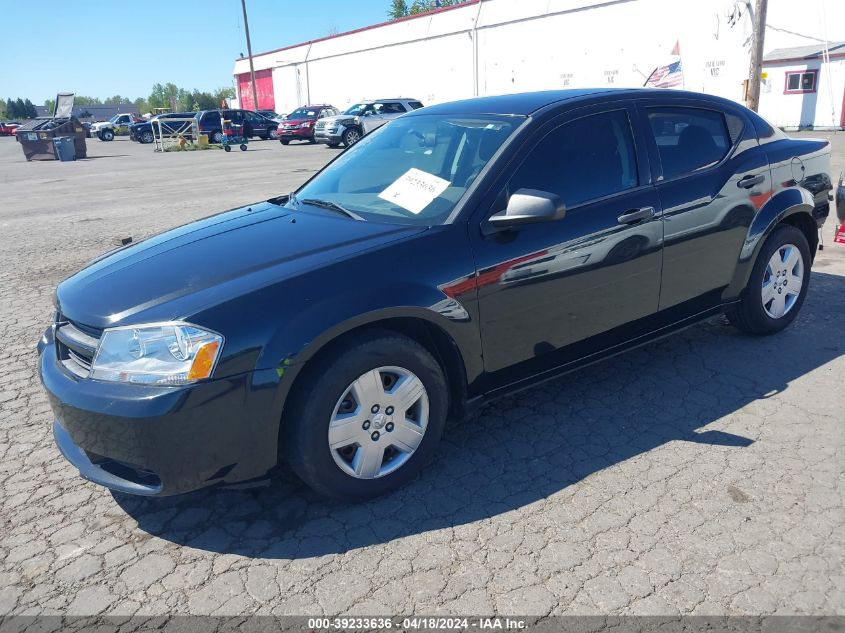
column 64, row 149
column 36, row 136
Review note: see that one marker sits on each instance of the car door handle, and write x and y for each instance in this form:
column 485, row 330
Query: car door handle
column 635, row 215
column 749, row 181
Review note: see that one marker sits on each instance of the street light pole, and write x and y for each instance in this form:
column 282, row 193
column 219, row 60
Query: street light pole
column 752, row 94
column 251, row 66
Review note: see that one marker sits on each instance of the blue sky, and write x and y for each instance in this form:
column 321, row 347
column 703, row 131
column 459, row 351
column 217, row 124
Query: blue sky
column 108, row 47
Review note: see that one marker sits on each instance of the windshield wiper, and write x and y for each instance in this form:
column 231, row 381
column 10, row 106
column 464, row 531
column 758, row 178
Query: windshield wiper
column 334, row 206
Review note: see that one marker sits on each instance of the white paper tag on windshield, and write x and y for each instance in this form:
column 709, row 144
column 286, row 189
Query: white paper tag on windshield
column 414, row 190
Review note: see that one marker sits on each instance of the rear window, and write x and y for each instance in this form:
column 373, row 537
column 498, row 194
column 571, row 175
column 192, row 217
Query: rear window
column 688, row 139
column 416, row 105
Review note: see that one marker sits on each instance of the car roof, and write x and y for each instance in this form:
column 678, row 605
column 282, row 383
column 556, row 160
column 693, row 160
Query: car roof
column 527, row 103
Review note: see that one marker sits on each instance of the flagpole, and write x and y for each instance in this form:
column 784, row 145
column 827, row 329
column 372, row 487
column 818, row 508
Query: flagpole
column 650, row 76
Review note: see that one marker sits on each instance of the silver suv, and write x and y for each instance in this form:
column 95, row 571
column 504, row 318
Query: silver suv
column 360, row 119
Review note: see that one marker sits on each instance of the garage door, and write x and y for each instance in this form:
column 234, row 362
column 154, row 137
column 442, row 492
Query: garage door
column 264, row 88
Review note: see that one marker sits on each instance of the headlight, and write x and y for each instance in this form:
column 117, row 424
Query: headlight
column 157, row 354
column 306, row 124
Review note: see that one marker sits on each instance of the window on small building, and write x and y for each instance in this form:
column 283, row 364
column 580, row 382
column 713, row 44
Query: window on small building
column 800, row 82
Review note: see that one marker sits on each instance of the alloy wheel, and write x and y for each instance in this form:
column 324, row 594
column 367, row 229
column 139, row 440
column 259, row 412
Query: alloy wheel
column 782, row 281
column 351, row 137
column 379, row 422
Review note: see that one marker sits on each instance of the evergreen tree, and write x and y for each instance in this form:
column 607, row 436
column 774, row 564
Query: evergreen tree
column 398, row 9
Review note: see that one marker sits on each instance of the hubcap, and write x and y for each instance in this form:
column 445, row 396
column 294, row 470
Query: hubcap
column 782, row 281
column 352, row 137
column 378, row 422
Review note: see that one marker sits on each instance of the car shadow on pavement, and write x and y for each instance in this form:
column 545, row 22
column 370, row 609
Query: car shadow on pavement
column 522, row 449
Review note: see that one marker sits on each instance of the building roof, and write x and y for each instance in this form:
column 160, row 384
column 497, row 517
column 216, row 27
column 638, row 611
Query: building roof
column 99, row 112
column 406, row 18
column 813, row 51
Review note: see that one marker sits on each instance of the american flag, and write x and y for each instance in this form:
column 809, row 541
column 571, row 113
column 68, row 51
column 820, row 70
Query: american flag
column 668, row 76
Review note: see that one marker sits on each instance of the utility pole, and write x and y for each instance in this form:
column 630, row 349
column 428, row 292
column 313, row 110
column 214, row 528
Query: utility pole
column 752, row 93
column 251, row 66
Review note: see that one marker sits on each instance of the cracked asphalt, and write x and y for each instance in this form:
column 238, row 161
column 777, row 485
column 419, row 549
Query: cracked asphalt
column 702, row 474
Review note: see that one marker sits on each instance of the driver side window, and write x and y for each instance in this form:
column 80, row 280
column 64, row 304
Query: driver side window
column 583, row 160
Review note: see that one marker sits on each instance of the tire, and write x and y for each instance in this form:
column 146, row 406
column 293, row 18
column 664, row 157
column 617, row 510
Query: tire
column 243, row 148
column 372, row 361
column 216, row 137
column 146, row 138
column 107, row 135
column 351, row 136
column 227, row 148
column 777, row 267
column 284, row 141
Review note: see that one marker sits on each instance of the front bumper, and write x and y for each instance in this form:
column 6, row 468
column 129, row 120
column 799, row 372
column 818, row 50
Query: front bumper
column 294, row 134
column 160, row 441
column 334, row 137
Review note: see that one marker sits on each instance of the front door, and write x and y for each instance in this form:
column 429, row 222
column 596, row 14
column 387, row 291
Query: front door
column 559, row 290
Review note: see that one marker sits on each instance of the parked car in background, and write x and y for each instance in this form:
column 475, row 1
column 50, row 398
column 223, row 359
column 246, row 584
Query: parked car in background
column 338, row 327
column 209, row 122
column 362, row 118
column 8, row 128
column 299, row 124
column 118, row 125
column 269, row 114
column 143, row 131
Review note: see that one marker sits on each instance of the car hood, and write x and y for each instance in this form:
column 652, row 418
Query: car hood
column 199, row 265
column 337, row 117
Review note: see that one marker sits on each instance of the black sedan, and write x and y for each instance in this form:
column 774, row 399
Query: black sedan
column 459, row 253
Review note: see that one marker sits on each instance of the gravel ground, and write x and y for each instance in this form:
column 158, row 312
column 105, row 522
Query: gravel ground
column 700, row 474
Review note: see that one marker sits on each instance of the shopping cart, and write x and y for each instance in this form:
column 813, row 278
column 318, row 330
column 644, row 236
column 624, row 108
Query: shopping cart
column 233, row 134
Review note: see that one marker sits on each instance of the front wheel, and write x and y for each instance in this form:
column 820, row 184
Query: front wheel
column 367, row 419
column 243, row 148
column 351, row 136
column 216, row 137
column 107, row 135
column 227, row 148
column 777, row 286
column 147, row 137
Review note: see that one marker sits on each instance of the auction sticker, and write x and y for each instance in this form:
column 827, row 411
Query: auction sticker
column 414, row 190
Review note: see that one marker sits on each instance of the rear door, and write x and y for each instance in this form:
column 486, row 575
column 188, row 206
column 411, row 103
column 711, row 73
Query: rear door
column 711, row 176
column 556, row 291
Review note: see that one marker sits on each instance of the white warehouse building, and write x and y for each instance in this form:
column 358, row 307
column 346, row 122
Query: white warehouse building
column 486, row 47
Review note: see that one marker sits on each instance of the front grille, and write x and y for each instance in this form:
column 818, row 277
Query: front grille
column 76, row 345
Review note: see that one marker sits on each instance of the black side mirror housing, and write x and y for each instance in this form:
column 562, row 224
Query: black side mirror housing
column 528, row 206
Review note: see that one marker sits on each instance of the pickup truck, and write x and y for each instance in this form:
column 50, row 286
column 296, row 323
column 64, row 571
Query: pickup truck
column 118, row 125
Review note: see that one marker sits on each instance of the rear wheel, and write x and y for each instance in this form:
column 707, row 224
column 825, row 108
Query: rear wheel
column 777, row 286
column 367, row 419
column 216, row 136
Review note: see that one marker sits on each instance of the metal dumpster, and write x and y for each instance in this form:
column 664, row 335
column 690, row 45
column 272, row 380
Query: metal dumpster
column 36, row 136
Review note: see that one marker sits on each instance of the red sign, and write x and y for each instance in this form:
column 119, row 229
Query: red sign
column 840, row 235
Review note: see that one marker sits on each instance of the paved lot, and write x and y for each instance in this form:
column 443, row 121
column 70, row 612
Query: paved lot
column 701, row 474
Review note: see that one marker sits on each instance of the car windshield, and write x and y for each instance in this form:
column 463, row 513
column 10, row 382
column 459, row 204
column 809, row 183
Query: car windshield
column 303, row 113
column 357, row 109
column 114, row 119
column 413, row 170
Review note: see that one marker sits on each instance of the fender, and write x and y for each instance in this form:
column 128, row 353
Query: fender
column 323, row 322
column 785, row 203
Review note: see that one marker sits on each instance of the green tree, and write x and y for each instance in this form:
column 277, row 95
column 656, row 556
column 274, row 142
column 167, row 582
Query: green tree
column 3, row 114
column 50, row 105
column 82, row 100
column 226, row 92
column 398, row 9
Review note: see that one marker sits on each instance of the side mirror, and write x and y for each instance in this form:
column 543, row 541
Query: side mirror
column 527, row 206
